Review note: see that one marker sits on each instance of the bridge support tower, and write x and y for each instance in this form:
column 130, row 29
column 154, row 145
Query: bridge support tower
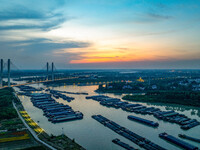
column 1, row 74
column 8, row 72
column 47, row 71
column 52, row 71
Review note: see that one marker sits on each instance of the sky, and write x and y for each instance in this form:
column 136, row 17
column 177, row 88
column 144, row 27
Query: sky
column 98, row 34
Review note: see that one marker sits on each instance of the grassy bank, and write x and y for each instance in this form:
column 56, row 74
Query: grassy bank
column 173, row 97
column 7, row 110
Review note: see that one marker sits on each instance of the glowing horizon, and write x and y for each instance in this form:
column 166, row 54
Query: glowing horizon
column 85, row 33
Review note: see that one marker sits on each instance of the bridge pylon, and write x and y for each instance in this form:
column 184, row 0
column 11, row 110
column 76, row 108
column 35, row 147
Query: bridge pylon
column 52, row 71
column 47, row 71
column 1, row 74
column 8, row 72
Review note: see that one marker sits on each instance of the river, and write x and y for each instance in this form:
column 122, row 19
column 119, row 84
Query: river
column 94, row 136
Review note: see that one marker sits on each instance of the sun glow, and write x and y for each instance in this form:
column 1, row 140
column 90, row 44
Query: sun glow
column 110, row 56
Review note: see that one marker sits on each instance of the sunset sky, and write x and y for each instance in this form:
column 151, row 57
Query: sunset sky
column 133, row 34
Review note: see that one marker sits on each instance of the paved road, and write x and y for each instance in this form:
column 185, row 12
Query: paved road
column 31, row 130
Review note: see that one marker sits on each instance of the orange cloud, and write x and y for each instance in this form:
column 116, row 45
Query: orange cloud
column 110, row 56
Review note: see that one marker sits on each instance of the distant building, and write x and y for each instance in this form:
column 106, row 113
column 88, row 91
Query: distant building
column 142, row 88
column 173, row 87
column 140, row 80
column 194, row 80
column 154, row 87
column 196, row 87
column 183, row 83
column 127, row 87
column 109, row 87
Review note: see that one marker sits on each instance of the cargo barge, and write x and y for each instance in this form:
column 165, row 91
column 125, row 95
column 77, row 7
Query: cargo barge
column 189, row 138
column 68, row 118
column 64, row 112
column 177, row 141
column 135, row 138
column 27, row 88
column 122, row 144
column 76, row 93
column 143, row 121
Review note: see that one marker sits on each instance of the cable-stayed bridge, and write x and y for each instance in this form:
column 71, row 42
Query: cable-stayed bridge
column 49, row 74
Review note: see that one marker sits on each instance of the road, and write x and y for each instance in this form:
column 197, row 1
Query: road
column 31, row 130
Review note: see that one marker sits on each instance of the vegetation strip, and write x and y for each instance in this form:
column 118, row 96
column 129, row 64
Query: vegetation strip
column 172, row 97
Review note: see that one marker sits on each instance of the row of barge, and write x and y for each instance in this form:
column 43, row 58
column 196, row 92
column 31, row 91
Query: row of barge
column 76, row 93
column 27, row 88
column 135, row 138
column 57, row 95
column 169, row 116
column 54, row 111
column 143, row 121
column 122, row 144
column 177, row 141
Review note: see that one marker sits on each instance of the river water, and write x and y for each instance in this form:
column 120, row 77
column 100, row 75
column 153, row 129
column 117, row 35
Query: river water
column 94, row 136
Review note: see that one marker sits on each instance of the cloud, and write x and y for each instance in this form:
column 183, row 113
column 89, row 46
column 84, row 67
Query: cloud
column 42, row 45
column 21, row 12
column 158, row 16
column 43, row 25
column 35, row 52
column 144, row 18
column 17, row 16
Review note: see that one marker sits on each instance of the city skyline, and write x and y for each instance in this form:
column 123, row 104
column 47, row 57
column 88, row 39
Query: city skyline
column 88, row 34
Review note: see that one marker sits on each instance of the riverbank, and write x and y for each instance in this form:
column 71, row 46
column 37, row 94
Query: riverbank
column 181, row 98
column 13, row 133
